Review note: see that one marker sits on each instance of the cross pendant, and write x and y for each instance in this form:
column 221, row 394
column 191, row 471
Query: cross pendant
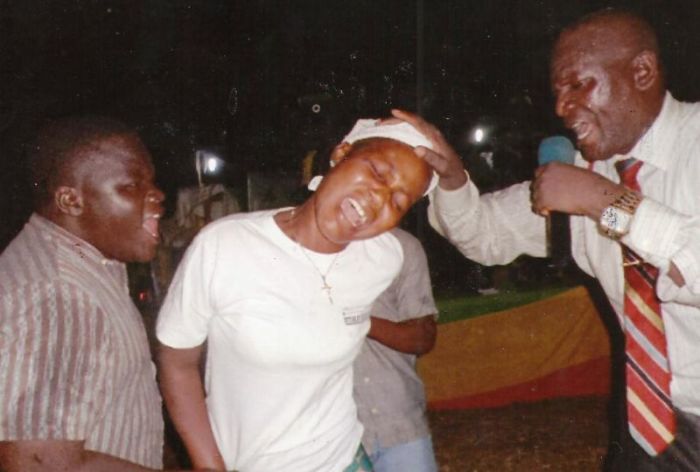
column 327, row 289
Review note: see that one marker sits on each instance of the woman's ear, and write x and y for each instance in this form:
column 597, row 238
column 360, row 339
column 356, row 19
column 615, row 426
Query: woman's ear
column 68, row 201
column 339, row 152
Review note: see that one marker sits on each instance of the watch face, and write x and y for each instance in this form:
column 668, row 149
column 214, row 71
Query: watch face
column 610, row 217
column 615, row 222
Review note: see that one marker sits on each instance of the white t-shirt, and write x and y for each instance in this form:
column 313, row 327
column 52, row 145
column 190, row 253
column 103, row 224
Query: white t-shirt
column 280, row 354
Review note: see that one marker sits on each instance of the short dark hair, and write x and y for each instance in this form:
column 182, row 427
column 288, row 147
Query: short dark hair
column 58, row 148
column 645, row 35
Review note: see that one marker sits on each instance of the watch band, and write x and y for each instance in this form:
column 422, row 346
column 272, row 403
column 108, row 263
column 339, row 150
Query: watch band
column 616, row 219
column 628, row 201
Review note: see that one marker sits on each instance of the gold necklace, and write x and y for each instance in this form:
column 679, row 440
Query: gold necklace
column 327, row 288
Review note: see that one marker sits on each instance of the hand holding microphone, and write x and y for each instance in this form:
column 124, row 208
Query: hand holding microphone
column 557, row 149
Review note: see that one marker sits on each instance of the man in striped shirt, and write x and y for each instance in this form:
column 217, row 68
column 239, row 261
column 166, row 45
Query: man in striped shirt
column 77, row 383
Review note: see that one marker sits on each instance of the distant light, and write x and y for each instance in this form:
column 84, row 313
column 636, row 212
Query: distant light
column 480, row 134
column 208, row 163
column 212, row 165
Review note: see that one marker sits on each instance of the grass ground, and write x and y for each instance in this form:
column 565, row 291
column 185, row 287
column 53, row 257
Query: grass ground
column 459, row 307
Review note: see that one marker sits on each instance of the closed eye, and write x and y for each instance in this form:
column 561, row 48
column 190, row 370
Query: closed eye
column 380, row 176
column 580, row 84
column 401, row 201
column 131, row 186
column 571, row 84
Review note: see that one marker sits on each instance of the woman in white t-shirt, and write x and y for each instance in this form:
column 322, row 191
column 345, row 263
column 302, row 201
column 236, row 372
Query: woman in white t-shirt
column 282, row 299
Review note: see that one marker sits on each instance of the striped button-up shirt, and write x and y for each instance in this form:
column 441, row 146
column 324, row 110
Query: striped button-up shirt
column 74, row 357
column 389, row 393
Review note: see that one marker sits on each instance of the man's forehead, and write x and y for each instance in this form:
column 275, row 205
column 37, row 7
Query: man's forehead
column 605, row 36
column 118, row 147
column 126, row 151
column 588, row 45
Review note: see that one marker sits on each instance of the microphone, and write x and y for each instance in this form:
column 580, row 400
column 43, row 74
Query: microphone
column 557, row 149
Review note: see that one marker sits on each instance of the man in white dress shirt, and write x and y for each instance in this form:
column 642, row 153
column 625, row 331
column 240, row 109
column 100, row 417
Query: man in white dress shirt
column 610, row 92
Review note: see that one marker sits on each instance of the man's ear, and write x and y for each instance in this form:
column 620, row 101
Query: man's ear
column 68, row 200
column 339, row 152
column 645, row 67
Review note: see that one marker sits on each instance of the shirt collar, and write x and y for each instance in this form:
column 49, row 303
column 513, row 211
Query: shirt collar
column 654, row 147
column 53, row 232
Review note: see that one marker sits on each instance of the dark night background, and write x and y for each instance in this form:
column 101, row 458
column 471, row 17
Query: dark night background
column 242, row 76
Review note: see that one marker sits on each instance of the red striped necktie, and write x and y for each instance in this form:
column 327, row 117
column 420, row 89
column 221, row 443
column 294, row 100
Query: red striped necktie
column 650, row 416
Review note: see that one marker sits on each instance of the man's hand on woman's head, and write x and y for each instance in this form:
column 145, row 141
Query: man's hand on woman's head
column 442, row 158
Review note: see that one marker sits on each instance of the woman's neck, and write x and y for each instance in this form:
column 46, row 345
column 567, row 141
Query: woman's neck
column 300, row 225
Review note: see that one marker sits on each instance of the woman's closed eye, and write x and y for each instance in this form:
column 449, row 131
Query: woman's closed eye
column 376, row 171
column 401, row 201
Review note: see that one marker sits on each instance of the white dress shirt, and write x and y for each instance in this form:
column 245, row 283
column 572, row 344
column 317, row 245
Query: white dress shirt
column 496, row 228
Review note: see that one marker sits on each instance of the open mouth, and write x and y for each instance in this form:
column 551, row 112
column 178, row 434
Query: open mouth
column 353, row 211
column 582, row 130
column 150, row 225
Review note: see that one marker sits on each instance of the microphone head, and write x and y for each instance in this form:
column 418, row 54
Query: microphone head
column 556, row 148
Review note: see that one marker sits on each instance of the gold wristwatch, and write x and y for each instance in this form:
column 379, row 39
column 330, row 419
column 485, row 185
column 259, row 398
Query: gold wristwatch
column 616, row 219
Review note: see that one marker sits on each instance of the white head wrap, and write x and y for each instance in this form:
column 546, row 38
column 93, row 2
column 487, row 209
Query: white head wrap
column 372, row 128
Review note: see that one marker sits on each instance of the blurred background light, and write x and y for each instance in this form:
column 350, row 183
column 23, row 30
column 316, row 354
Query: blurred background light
column 479, row 135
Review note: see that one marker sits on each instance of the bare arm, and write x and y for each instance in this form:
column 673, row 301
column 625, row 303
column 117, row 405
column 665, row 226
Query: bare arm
column 183, row 393
column 55, row 455
column 416, row 336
